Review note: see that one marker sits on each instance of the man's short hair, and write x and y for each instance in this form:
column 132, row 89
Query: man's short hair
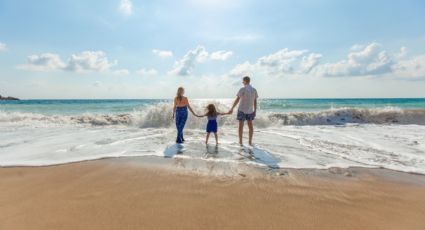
column 246, row 79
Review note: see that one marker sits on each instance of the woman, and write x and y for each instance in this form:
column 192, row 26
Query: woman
column 181, row 104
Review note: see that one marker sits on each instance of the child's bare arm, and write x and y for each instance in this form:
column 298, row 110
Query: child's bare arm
column 228, row 113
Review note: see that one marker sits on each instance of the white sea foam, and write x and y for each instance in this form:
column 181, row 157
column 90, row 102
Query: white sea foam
column 389, row 138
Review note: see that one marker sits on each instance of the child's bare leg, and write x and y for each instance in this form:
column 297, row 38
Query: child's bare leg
column 216, row 138
column 206, row 139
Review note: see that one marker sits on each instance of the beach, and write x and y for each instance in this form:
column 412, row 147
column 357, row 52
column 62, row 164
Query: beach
column 114, row 164
column 126, row 193
column 212, row 115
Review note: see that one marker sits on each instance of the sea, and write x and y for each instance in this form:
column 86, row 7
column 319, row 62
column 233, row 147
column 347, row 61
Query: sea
column 289, row 133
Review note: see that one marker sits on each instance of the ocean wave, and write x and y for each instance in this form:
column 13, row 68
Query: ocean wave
column 160, row 115
column 340, row 116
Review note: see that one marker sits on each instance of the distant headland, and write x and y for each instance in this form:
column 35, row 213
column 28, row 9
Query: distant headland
column 8, row 98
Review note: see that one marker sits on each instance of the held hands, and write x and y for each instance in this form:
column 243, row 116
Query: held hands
column 196, row 115
column 228, row 113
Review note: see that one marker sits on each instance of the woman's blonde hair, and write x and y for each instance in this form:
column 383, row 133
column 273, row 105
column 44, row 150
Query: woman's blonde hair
column 180, row 92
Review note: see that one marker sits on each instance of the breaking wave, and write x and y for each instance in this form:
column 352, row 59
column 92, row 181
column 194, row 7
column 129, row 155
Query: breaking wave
column 160, row 115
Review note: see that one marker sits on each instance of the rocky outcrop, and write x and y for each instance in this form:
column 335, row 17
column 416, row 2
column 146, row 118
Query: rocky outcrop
column 9, row 98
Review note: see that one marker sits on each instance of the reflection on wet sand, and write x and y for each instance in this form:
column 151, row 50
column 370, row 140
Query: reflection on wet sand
column 211, row 153
column 218, row 158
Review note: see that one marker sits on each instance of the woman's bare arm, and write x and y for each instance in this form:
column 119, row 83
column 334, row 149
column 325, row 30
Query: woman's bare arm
column 174, row 108
column 190, row 108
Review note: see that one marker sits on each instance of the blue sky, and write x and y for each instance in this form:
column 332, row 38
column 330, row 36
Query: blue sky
column 146, row 49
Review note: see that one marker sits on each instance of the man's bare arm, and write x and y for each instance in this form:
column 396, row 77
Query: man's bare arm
column 255, row 106
column 234, row 104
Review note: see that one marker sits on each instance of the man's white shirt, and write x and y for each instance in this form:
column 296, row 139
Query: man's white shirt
column 247, row 95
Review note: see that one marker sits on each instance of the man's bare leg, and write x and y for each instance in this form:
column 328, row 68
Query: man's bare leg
column 251, row 131
column 241, row 123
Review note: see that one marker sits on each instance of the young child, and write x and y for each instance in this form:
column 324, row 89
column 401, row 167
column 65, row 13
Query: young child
column 212, row 115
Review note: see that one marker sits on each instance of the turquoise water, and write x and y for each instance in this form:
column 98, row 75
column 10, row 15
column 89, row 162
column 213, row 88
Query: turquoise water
column 70, row 107
column 301, row 105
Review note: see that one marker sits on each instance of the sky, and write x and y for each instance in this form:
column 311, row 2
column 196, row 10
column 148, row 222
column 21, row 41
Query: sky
column 108, row 49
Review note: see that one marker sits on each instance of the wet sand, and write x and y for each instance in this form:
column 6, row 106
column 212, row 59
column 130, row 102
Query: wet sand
column 121, row 194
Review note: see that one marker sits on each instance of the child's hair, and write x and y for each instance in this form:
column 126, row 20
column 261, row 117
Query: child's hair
column 211, row 111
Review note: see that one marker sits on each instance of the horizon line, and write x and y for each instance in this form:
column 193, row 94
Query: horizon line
column 266, row 98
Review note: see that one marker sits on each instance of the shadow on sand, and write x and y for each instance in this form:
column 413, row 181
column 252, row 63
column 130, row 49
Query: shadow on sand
column 261, row 156
column 172, row 150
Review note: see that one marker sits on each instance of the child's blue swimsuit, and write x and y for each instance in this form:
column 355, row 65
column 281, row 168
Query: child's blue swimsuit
column 212, row 125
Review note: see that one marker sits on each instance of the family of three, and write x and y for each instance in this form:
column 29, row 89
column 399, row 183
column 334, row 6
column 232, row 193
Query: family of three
column 246, row 98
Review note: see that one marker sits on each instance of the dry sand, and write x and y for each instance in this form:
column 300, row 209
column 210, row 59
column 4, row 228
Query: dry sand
column 108, row 194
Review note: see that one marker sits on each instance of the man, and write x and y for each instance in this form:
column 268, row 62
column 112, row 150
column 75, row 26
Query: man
column 247, row 99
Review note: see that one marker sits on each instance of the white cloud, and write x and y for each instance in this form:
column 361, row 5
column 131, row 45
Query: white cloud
column 309, row 62
column 362, row 60
column 43, row 62
column 126, row 7
column 371, row 60
column 162, row 53
column 147, row 72
column 86, row 61
column 122, row 72
column 412, row 68
column 221, row 55
column 243, row 69
column 3, row 47
column 185, row 66
column 356, row 47
column 402, row 53
column 280, row 63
